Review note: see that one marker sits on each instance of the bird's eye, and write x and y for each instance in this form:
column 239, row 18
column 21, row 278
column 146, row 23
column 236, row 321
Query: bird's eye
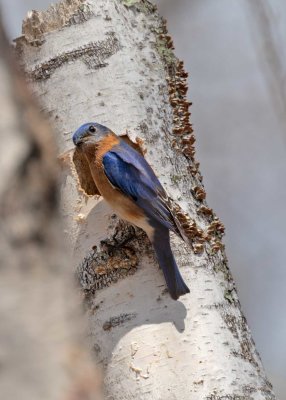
column 92, row 129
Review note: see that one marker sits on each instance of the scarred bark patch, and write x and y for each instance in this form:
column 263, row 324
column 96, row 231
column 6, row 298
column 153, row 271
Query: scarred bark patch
column 93, row 54
column 114, row 259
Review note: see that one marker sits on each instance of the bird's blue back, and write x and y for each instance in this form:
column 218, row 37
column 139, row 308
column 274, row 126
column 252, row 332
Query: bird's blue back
column 129, row 171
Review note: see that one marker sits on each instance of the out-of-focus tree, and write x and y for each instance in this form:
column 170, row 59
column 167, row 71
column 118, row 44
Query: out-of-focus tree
column 42, row 351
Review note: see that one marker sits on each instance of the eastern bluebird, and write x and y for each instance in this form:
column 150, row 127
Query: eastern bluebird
column 128, row 183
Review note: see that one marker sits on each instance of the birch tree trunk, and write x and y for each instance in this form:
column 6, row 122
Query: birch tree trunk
column 111, row 61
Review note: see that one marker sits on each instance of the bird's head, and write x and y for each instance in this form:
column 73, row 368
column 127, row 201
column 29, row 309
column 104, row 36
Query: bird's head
column 90, row 133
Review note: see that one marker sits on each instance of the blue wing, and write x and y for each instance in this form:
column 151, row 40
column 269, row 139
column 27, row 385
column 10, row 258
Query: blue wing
column 127, row 170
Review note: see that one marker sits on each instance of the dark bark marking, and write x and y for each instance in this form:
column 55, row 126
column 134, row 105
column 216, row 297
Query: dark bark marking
column 115, row 258
column 93, row 54
column 116, row 321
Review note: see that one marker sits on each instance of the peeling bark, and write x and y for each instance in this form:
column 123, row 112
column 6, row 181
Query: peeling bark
column 150, row 346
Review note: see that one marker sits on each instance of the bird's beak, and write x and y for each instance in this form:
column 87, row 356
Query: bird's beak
column 79, row 141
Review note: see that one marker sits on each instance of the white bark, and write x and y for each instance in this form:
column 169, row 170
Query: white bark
column 111, row 62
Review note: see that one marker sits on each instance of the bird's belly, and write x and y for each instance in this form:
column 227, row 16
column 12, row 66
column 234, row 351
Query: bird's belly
column 122, row 205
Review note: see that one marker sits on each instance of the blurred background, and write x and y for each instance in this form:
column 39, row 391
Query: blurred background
column 234, row 51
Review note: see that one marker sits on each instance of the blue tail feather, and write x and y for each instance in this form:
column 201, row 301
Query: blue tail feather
column 174, row 280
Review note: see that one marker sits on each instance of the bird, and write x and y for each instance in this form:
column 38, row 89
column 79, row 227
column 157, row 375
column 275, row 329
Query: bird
column 127, row 182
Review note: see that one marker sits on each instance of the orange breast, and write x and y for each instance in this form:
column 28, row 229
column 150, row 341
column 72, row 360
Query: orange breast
column 123, row 205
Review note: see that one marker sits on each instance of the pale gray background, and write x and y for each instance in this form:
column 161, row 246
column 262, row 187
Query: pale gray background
column 235, row 53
